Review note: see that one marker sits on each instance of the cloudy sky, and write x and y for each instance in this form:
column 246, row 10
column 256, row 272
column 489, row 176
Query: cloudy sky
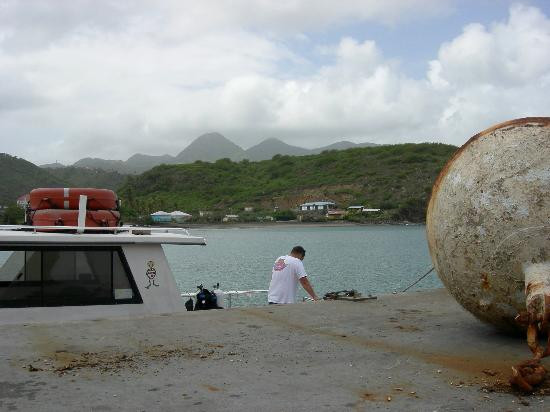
column 109, row 78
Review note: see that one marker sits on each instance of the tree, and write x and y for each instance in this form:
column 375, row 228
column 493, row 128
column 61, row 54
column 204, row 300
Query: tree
column 413, row 210
column 284, row 215
column 13, row 215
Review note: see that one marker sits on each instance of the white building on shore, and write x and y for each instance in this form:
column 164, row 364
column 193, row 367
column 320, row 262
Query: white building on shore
column 165, row 217
column 320, row 206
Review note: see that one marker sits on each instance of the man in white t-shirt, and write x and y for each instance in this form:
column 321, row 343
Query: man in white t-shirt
column 287, row 272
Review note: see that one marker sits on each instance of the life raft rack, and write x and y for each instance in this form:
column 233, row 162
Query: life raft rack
column 83, row 207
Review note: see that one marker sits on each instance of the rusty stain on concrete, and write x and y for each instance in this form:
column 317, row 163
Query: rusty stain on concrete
column 469, row 364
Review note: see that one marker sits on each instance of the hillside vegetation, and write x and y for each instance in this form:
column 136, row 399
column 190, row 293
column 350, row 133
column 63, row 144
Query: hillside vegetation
column 18, row 177
column 85, row 177
column 396, row 178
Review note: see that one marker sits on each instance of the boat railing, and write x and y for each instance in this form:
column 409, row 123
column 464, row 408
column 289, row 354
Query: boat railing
column 132, row 230
column 228, row 293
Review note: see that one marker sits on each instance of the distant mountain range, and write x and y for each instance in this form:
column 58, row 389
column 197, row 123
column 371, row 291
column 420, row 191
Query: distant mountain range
column 207, row 148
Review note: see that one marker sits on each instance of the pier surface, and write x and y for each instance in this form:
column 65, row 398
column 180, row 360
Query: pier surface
column 417, row 351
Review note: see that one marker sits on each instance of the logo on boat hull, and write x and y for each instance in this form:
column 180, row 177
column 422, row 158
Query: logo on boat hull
column 151, row 274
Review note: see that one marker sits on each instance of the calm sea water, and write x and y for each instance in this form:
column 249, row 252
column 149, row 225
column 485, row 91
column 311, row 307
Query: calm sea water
column 371, row 259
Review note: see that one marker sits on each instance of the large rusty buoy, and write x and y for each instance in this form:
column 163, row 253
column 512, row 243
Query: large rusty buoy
column 488, row 224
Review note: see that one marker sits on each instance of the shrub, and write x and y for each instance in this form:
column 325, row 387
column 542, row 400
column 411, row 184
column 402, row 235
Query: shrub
column 284, row 215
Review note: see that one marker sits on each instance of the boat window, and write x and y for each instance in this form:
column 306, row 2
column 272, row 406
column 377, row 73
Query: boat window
column 65, row 277
column 19, row 283
column 122, row 288
column 76, row 277
column 13, row 268
column 4, row 255
column 33, row 265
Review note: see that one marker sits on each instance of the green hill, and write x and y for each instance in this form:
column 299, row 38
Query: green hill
column 18, row 177
column 395, row 178
column 85, row 177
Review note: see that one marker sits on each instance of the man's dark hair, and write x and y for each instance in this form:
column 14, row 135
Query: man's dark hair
column 298, row 250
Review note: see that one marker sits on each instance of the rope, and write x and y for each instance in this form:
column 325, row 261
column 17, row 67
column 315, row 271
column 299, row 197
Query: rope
column 421, row 277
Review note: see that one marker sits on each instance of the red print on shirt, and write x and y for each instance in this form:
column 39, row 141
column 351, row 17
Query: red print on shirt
column 279, row 265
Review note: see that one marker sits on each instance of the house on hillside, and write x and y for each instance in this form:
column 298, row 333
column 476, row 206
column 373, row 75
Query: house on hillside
column 319, row 206
column 230, row 218
column 178, row 216
column 355, row 209
column 161, row 217
column 365, row 210
column 165, row 217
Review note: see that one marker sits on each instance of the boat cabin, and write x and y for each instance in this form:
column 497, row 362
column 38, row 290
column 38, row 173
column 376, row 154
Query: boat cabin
column 95, row 273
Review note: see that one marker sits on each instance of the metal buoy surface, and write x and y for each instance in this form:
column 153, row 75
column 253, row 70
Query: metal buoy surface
column 488, row 220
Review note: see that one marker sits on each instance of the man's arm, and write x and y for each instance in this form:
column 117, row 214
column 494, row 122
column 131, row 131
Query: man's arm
column 308, row 288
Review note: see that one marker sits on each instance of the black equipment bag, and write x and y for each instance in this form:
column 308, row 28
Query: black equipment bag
column 206, row 300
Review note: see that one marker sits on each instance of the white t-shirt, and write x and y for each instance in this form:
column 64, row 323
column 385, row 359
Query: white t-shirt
column 287, row 270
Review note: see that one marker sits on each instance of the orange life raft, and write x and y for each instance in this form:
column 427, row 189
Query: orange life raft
column 69, row 198
column 60, row 217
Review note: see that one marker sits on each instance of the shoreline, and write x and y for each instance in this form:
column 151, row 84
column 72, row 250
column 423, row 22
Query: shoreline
column 258, row 225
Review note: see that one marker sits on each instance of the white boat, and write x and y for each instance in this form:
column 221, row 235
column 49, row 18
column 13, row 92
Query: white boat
column 61, row 273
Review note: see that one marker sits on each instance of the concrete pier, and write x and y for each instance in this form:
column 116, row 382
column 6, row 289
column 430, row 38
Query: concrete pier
column 418, row 351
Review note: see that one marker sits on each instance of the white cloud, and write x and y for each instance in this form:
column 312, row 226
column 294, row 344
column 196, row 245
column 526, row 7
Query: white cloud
column 82, row 80
column 507, row 54
column 491, row 74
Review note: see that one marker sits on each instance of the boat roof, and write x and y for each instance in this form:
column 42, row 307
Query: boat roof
column 90, row 236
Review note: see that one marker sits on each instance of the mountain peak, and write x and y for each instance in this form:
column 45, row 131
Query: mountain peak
column 210, row 147
column 270, row 147
column 271, row 140
column 212, row 135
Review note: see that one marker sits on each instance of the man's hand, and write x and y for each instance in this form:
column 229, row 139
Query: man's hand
column 308, row 288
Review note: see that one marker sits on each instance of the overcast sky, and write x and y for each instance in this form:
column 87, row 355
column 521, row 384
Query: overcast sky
column 92, row 78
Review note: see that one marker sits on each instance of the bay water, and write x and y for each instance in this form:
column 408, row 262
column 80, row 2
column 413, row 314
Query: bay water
column 375, row 259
